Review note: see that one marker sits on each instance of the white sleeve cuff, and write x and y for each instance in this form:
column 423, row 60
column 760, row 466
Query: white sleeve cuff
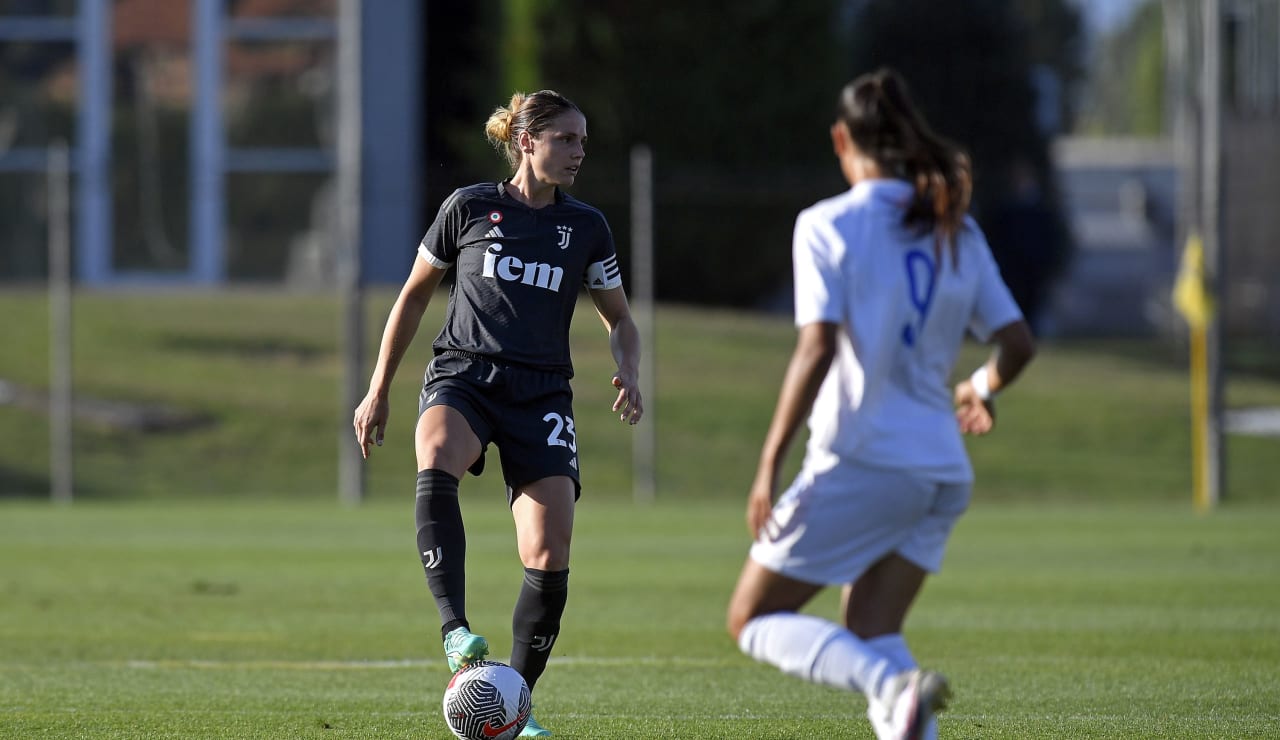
column 435, row 261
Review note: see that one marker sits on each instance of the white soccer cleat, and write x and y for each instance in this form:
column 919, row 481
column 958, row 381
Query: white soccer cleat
column 879, row 717
column 912, row 700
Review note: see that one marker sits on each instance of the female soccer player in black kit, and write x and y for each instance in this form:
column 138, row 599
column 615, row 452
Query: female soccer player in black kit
column 520, row 250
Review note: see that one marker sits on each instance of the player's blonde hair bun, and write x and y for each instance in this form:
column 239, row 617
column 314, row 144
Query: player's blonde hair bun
column 531, row 113
column 498, row 129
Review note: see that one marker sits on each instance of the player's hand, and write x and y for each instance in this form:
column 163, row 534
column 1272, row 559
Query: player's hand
column 759, row 505
column 370, row 422
column 627, row 405
column 974, row 415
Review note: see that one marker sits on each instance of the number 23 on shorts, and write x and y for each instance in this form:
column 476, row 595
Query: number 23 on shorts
column 562, row 434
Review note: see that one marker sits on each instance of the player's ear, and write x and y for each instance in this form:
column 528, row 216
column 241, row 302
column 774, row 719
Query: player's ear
column 525, row 141
column 840, row 140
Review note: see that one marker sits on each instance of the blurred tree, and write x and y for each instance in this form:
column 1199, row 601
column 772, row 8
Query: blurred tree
column 520, row 45
column 734, row 86
column 462, row 78
column 1126, row 95
column 973, row 69
column 29, row 117
column 734, row 100
column 1055, row 40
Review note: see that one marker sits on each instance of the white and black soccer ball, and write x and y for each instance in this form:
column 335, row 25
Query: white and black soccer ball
column 487, row 700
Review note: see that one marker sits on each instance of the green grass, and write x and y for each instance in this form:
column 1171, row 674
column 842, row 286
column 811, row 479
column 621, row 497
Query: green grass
column 205, row 584
column 1095, row 421
column 305, row 620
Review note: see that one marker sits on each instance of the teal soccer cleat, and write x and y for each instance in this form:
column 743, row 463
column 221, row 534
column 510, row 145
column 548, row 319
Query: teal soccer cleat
column 461, row 648
column 533, row 729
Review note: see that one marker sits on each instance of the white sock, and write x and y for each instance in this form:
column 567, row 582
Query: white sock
column 816, row 650
column 894, row 647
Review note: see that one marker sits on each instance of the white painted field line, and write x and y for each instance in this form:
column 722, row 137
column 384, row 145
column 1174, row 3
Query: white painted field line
column 346, row 665
column 295, row 665
column 1263, row 421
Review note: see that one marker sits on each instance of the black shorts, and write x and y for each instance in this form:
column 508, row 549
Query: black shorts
column 526, row 413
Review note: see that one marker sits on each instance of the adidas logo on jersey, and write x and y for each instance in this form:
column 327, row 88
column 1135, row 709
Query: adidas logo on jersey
column 604, row 274
column 514, row 270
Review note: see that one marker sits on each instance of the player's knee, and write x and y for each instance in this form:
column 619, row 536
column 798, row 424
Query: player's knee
column 733, row 626
column 548, row 554
column 736, row 618
column 439, row 454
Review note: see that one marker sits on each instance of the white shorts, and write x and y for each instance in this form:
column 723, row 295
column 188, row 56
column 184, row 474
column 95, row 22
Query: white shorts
column 829, row 527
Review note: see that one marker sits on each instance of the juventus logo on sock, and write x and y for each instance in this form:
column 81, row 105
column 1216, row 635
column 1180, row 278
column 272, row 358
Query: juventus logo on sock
column 432, row 558
column 543, row 643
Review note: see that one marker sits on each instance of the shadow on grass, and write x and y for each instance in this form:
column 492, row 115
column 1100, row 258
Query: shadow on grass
column 272, row 349
column 20, row 486
column 107, row 414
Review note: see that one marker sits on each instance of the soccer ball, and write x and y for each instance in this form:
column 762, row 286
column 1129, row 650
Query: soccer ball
column 487, row 700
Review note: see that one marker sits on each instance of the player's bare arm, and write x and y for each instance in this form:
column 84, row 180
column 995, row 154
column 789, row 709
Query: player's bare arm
column 624, row 344
column 975, row 395
column 812, row 357
column 371, row 415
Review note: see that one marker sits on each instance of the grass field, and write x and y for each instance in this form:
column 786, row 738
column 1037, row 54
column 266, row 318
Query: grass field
column 207, row 585
column 1095, row 421
column 153, row 620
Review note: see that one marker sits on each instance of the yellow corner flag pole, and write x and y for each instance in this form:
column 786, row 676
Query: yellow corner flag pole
column 1196, row 306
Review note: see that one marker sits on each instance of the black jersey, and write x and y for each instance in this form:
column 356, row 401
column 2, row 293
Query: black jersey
column 517, row 273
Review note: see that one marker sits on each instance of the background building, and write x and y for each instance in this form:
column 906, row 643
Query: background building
column 204, row 135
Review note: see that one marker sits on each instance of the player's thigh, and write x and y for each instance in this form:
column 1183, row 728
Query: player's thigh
column 763, row 591
column 444, row 440
column 543, row 514
column 455, row 414
column 535, row 432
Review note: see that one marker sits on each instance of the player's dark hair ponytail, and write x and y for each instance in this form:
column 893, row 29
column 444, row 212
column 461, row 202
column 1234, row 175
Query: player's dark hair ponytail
column 886, row 125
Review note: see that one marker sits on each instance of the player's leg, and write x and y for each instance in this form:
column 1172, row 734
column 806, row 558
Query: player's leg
column 543, row 514
column 763, row 619
column 876, row 605
column 875, row 608
column 827, row 527
column 539, row 447
column 446, row 446
column 539, row 451
column 762, row 591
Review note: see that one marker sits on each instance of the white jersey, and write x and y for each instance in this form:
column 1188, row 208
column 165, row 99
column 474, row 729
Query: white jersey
column 886, row 402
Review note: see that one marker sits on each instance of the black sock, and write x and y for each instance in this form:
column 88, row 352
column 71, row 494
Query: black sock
column 442, row 545
column 535, row 625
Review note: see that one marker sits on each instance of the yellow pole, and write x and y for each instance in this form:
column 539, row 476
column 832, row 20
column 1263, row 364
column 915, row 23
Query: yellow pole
column 1200, row 419
column 1196, row 306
